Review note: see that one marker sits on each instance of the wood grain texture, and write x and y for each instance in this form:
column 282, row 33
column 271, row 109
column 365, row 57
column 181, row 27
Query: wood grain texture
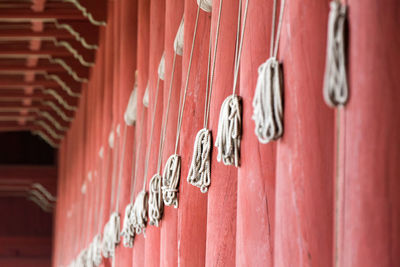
column 305, row 154
column 369, row 143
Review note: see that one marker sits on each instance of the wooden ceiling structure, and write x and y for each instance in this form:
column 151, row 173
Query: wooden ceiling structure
column 47, row 48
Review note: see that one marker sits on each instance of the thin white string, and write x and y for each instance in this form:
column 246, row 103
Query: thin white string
column 151, row 135
column 165, row 120
column 121, row 167
column 210, row 78
column 183, row 100
column 239, row 52
column 136, row 167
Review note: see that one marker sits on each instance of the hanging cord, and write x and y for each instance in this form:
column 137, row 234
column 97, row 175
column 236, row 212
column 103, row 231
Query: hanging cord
column 111, row 235
column 267, row 101
column 200, row 169
column 230, row 121
column 128, row 230
column 335, row 79
column 141, row 202
column 172, row 167
column 156, row 204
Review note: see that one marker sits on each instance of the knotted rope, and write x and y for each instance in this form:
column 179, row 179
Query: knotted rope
column 128, row 230
column 140, row 206
column 267, row 101
column 146, row 96
column 205, row 5
column 335, row 80
column 230, row 121
column 161, row 68
column 172, row 167
column 178, row 42
column 200, row 169
column 131, row 109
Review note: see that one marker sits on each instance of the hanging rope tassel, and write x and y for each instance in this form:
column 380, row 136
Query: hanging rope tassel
column 267, row 102
column 229, row 131
column 128, row 231
column 96, row 250
column 200, row 168
column 140, row 212
column 335, row 80
column 170, row 180
column 155, row 200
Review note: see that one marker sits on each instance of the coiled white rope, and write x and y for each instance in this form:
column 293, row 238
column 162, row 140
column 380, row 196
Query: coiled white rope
column 128, row 230
column 267, row 101
column 161, row 68
column 156, row 203
column 131, row 109
column 178, row 42
column 96, row 250
column 205, row 5
column 335, row 80
column 230, row 117
column 141, row 203
column 172, row 169
column 200, row 168
column 146, row 96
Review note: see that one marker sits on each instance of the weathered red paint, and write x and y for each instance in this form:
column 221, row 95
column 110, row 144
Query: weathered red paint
column 256, row 175
column 367, row 223
column 304, row 166
column 221, row 209
column 169, row 223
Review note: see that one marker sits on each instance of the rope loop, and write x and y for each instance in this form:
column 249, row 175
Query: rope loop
column 335, row 80
column 267, row 102
column 229, row 131
column 128, row 231
column 200, row 168
column 140, row 212
column 170, row 180
column 155, row 200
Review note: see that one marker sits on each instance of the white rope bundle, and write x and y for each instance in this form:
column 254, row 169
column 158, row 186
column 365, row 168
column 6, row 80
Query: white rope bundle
column 89, row 257
column 155, row 200
column 230, row 116
column 105, row 243
column 128, row 231
column 178, row 42
column 200, row 168
column 170, row 180
column 81, row 260
column 206, row 5
column 111, row 139
column 267, row 102
column 112, row 235
column 229, row 131
column 335, row 80
column 161, row 68
column 140, row 212
column 131, row 109
column 146, row 96
column 96, row 250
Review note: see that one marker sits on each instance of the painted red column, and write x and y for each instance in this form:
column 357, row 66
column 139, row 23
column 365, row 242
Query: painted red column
column 143, row 75
column 192, row 211
column 256, row 175
column 169, row 222
column 305, row 155
column 368, row 183
column 126, row 77
column 221, row 209
column 157, row 18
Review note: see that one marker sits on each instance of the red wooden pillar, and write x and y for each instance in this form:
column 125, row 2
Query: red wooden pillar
column 192, row 211
column 157, row 18
column 169, row 222
column 143, row 74
column 256, row 175
column 368, row 182
column 221, row 210
column 305, row 156
column 126, row 77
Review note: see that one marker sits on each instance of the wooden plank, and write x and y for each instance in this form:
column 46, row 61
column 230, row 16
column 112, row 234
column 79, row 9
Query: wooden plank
column 305, row 155
column 368, row 168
